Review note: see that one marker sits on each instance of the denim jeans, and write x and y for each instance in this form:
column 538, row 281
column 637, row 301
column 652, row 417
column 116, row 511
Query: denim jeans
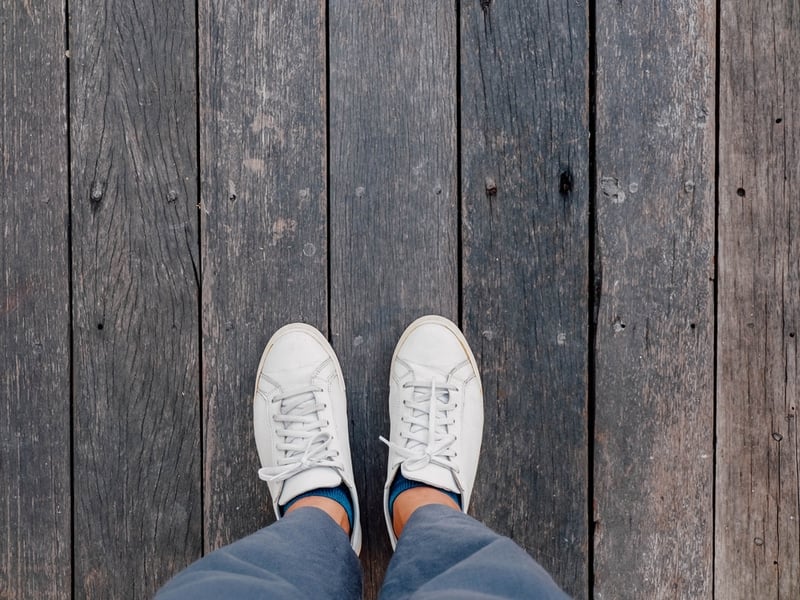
column 443, row 554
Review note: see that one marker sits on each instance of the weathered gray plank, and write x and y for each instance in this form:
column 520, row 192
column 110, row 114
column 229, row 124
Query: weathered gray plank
column 654, row 346
column 525, row 181
column 134, row 188
column 34, row 304
column 393, row 234
column 264, row 222
column 758, row 478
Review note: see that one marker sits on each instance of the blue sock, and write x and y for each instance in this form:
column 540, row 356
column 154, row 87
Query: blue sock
column 337, row 494
column 401, row 484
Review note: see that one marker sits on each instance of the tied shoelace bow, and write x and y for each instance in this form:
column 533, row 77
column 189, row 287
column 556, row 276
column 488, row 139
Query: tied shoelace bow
column 305, row 443
column 428, row 440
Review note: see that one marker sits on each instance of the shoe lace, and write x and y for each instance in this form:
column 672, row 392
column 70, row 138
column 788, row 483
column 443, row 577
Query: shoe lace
column 427, row 436
column 305, row 443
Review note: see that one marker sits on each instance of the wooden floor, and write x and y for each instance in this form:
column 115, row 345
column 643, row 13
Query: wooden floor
column 604, row 196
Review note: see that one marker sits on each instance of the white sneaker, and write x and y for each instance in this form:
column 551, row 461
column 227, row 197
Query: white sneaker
column 300, row 419
column 436, row 411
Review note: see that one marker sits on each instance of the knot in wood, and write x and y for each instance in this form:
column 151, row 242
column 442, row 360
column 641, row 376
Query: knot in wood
column 565, row 182
column 491, row 186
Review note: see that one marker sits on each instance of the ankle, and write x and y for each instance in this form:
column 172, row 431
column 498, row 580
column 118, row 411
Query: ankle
column 410, row 500
column 330, row 507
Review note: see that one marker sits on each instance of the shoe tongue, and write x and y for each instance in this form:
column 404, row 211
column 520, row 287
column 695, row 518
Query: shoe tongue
column 433, row 475
column 311, row 479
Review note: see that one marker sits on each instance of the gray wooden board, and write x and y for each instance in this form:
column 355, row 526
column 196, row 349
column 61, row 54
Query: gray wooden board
column 525, row 181
column 34, row 304
column 137, row 458
column 653, row 463
column 393, row 234
column 264, row 222
column 758, row 483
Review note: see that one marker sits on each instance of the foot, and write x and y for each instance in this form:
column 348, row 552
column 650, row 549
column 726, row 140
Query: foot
column 436, row 412
column 300, row 419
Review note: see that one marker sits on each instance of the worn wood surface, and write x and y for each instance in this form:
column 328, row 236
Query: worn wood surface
column 654, row 436
column 34, row 305
column 460, row 183
column 393, row 235
column 264, row 221
column 525, row 154
column 137, row 463
column 758, row 389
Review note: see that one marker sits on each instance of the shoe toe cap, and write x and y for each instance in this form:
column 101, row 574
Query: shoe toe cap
column 433, row 344
column 294, row 350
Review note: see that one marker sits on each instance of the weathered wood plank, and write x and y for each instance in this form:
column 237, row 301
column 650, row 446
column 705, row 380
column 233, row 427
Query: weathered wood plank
column 758, row 478
column 393, row 233
column 654, row 344
column 525, row 181
column 135, row 251
column 34, row 304
column 264, row 224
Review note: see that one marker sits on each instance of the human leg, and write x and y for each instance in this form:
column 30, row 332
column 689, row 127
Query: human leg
column 304, row 555
column 300, row 422
column 444, row 554
column 436, row 410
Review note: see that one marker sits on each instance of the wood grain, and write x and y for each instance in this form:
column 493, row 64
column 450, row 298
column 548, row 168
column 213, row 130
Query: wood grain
column 653, row 463
column 264, row 221
column 393, row 234
column 525, row 182
column 34, row 304
column 137, row 469
column 758, row 474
